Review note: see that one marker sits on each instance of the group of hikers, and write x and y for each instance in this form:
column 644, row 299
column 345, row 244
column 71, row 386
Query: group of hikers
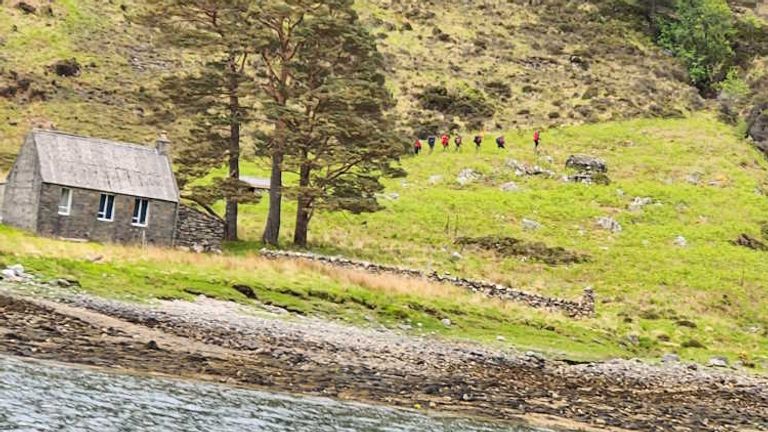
column 445, row 141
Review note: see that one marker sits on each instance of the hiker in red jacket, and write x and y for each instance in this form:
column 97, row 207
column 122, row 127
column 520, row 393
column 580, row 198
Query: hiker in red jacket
column 417, row 147
column 445, row 140
column 536, row 139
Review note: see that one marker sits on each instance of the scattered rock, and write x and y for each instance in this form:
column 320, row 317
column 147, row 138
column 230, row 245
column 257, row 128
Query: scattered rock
column 467, row 176
column 245, row 290
column 8, row 274
column 750, row 242
column 455, row 256
column 680, row 241
column 609, row 224
column 694, row 178
column 446, row 322
column 17, row 269
column 670, row 358
column 639, row 203
column 522, row 169
column 435, row 180
column 66, row 68
column 152, row 345
column 530, row 225
column 510, row 187
column 721, row 362
column 585, row 163
column 501, row 338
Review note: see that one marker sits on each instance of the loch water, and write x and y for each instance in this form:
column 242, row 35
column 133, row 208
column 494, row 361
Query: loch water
column 43, row 396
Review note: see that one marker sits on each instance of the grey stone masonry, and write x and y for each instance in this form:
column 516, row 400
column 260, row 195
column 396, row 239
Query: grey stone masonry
column 83, row 223
column 198, row 231
column 582, row 308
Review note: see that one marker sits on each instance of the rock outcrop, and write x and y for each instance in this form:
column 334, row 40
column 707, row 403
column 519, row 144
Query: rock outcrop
column 586, row 164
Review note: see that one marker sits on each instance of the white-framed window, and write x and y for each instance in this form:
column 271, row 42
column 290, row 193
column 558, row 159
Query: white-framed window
column 65, row 201
column 106, row 208
column 140, row 212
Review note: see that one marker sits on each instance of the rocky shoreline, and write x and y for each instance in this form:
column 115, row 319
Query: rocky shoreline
column 225, row 342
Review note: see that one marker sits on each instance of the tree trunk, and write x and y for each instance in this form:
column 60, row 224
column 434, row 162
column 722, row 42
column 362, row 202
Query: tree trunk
column 271, row 234
column 272, row 230
column 303, row 208
column 234, row 148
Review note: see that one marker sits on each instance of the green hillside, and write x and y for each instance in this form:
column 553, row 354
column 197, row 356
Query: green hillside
column 654, row 296
column 588, row 73
column 542, row 65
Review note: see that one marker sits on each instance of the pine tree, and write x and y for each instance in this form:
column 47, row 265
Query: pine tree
column 223, row 34
column 288, row 28
column 342, row 140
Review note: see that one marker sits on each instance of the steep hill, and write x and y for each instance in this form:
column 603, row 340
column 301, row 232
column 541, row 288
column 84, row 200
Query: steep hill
column 490, row 64
column 534, row 63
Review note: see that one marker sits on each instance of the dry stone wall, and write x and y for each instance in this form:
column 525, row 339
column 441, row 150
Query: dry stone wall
column 582, row 308
column 198, row 231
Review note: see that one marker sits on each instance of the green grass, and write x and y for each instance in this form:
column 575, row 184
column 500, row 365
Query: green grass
column 133, row 274
column 645, row 284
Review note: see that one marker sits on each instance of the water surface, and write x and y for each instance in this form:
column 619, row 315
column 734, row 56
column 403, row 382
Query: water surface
column 38, row 396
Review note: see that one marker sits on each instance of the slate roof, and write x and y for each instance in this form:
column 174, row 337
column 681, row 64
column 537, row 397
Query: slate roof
column 256, row 182
column 103, row 165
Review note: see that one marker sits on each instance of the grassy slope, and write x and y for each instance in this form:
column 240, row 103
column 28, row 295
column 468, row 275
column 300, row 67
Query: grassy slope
column 645, row 283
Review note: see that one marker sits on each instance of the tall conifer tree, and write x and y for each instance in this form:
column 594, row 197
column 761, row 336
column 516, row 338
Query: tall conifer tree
column 223, row 34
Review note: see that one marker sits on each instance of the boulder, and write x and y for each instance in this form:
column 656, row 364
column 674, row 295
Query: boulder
column 609, row 224
column 8, row 274
column 510, row 187
column 721, row 362
column 446, row 322
column 670, row 358
column 680, row 241
column 530, row 225
column 585, row 163
column 467, row 176
column 17, row 269
column 639, row 203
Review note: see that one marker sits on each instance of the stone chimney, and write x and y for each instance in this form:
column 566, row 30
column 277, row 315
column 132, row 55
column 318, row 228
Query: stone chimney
column 163, row 145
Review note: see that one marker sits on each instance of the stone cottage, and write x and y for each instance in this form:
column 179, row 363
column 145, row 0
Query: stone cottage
column 69, row 186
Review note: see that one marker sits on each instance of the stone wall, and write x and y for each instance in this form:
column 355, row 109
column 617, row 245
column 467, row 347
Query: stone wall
column 198, row 231
column 582, row 308
column 83, row 223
